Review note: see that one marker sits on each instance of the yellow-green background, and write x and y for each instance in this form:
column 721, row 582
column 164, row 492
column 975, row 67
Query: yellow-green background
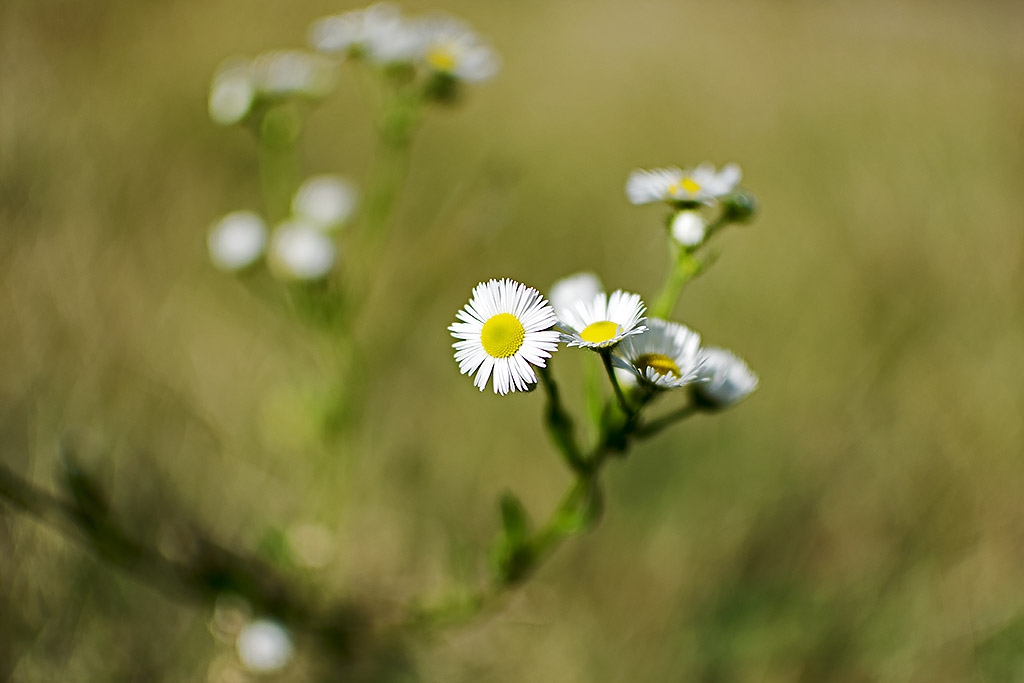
column 860, row 518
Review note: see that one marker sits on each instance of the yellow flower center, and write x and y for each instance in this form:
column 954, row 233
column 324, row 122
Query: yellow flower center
column 595, row 333
column 688, row 185
column 441, row 59
column 502, row 335
column 661, row 364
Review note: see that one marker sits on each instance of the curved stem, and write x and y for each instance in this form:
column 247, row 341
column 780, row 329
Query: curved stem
column 606, row 358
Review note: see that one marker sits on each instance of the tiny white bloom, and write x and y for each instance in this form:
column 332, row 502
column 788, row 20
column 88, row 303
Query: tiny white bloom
column 604, row 320
column 301, row 252
column 666, row 356
column 237, row 240
column 282, row 73
column 451, row 48
column 565, row 293
column 503, row 330
column 232, row 92
column 324, row 201
column 688, row 228
column 264, row 646
column 377, row 32
column 726, row 379
column 673, row 184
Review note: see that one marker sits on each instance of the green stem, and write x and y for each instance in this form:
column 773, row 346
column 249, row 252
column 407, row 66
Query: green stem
column 684, row 269
column 606, row 358
column 560, row 424
column 656, row 426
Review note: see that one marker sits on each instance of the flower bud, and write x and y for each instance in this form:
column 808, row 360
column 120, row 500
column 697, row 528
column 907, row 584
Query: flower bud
column 688, row 228
column 237, row 240
column 300, row 252
column 264, row 646
column 739, row 207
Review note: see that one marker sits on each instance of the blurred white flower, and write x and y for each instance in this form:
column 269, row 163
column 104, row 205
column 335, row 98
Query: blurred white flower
column 237, row 240
column 292, row 72
column 688, row 228
column 565, row 293
column 505, row 329
column 378, row 33
column 673, row 184
column 450, row 47
column 666, row 356
column 232, row 91
column 301, row 252
column 324, row 201
column 604, row 320
column 725, row 378
column 264, row 646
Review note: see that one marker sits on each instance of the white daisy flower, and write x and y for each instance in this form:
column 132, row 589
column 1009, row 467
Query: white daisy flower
column 726, row 379
column 675, row 185
column 237, row 240
column 299, row 251
column 449, row 47
column 688, row 228
column 604, row 321
column 666, row 356
column 232, row 91
column 378, row 33
column 324, row 201
column 504, row 329
column 282, row 73
column 565, row 293
column 264, row 646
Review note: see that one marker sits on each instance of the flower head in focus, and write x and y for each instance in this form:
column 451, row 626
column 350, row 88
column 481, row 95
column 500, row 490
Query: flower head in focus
column 725, row 378
column 676, row 186
column 567, row 292
column 299, row 251
column 504, row 330
column 324, row 201
column 666, row 356
column 604, row 320
column 237, row 240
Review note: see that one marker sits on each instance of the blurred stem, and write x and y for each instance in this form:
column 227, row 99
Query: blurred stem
column 606, row 359
column 656, row 426
column 560, row 424
column 278, row 133
column 685, row 267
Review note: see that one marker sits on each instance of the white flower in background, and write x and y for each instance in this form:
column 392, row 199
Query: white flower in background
column 503, row 330
column 232, row 91
column 450, row 47
column 666, row 356
column 604, row 321
column 688, row 228
column 567, row 292
column 301, row 252
column 673, row 184
column 725, row 378
column 264, row 646
column 237, row 240
column 378, row 33
column 292, row 72
column 324, row 201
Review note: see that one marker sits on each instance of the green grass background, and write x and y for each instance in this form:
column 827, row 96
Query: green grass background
column 858, row 519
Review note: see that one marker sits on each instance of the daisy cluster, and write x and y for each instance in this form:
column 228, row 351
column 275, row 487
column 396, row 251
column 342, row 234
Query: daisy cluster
column 439, row 47
column 301, row 247
column 508, row 329
column 690, row 195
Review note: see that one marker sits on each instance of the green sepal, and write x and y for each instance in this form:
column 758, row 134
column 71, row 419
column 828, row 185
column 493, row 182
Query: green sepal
column 513, row 556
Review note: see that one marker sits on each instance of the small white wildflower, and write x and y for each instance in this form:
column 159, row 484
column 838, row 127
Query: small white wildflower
column 231, row 92
column 282, row 73
column 378, row 33
column 504, row 330
column 565, row 293
column 604, row 321
column 264, row 646
column 300, row 251
column 674, row 185
column 726, row 378
column 449, row 47
column 688, row 228
column 324, row 201
column 666, row 356
column 237, row 240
